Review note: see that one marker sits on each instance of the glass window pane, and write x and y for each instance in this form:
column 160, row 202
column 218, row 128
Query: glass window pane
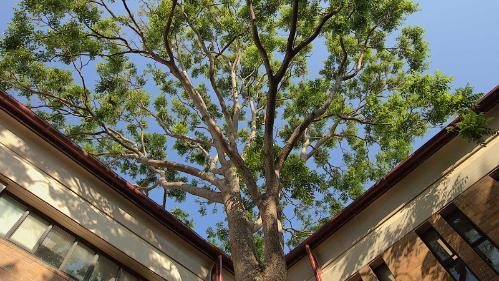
column 105, row 270
column 30, row 231
column 10, row 212
column 491, row 253
column 55, row 247
column 78, row 262
column 464, row 227
column 461, row 272
column 447, row 257
column 383, row 273
column 126, row 276
column 436, row 245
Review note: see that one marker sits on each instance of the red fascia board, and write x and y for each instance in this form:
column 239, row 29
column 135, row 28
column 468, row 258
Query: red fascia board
column 53, row 136
column 379, row 188
column 43, row 129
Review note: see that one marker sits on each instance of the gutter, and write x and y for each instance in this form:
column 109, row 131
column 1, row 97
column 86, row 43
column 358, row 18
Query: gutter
column 43, row 129
column 39, row 126
column 387, row 182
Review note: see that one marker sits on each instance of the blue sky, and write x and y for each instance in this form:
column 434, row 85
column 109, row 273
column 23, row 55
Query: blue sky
column 464, row 42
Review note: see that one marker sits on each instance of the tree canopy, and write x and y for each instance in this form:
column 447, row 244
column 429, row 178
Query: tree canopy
column 217, row 98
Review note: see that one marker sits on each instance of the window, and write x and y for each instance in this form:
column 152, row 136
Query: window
column 79, row 261
column 105, row 270
column 30, row 231
column 482, row 245
column 10, row 212
column 446, row 256
column 126, row 276
column 55, row 246
column 383, row 273
column 355, row 277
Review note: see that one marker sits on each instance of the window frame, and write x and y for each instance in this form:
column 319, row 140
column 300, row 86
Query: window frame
column 2, row 186
column 376, row 264
column 453, row 209
column 51, row 225
column 448, row 263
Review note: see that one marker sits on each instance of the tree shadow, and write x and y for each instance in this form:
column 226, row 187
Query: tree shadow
column 44, row 171
column 394, row 239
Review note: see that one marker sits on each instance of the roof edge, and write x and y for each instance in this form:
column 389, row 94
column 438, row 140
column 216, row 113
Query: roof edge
column 42, row 128
column 402, row 169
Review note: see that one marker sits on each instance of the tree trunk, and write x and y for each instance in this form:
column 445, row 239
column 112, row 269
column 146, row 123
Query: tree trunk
column 243, row 251
column 275, row 263
column 247, row 267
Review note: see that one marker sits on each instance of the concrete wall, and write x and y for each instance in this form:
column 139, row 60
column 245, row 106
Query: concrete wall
column 427, row 189
column 47, row 179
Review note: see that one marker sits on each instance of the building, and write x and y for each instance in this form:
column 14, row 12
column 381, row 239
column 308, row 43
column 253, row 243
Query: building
column 65, row 216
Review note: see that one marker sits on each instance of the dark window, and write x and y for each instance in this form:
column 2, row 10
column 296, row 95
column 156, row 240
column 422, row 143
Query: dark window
column 383, row 273
column 55, row 246
column 482, row 245
column 355, row 277
column 446, row 256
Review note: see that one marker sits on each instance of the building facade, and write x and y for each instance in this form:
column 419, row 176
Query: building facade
column 65, row 216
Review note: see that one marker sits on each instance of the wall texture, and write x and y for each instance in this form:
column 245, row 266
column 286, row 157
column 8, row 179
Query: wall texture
column 73, row 197
column 412, row 201
column 19, row 265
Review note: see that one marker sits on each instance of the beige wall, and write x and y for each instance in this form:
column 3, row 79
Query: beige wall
column 83, row 203
column 79, row 201
column 410, row 202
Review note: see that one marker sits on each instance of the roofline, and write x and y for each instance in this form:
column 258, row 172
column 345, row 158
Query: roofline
column 43, row 129
column 387, row 182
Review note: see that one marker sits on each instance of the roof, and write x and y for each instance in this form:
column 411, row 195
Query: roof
column 56, row 138
column 387, row 182
column 43, row 129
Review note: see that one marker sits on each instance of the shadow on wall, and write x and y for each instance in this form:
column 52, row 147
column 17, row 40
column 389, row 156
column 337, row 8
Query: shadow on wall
column 27, row 270
column 72, row 204
column 6, row 269
column 409, row 258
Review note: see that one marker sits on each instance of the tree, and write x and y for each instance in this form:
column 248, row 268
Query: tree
column 215, row 98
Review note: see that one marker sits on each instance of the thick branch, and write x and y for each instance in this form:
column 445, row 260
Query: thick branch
column 300, row 129
column 258, row 42
column 210, row 195
column 166, row 31
column 292, row 52
column 212, row 70
column 182, row 168
column 321, row 141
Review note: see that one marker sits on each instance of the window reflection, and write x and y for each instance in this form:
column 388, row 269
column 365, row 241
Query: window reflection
column 10, row 212
column 55, row 247
column 78, row 262
column 126, row 276
column 478, row 241
column 447, row 257
column 30, row 231
column 105, row 270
